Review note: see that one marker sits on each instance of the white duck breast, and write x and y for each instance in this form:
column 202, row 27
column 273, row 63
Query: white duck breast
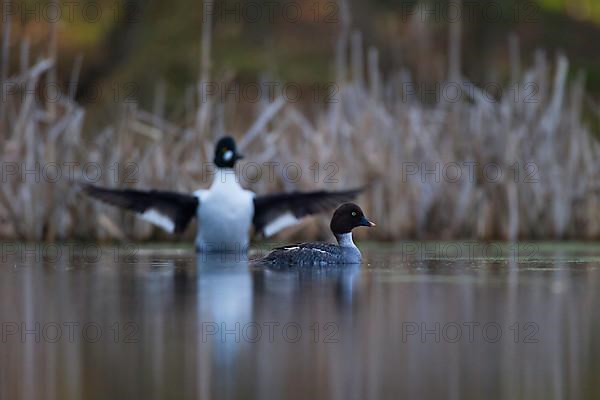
column 225, row 212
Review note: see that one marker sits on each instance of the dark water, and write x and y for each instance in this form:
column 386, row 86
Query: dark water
column 410, row 323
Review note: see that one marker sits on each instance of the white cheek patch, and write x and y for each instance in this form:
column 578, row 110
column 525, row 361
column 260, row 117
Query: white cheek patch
column 228, row 155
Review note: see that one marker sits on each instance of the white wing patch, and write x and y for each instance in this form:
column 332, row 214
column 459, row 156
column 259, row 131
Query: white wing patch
column 159, row 219
column 320, row 251
column 291, row 248
column 283, row 221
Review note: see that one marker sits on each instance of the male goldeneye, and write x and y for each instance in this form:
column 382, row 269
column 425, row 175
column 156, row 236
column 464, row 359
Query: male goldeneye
column 225, row 211
column 347, row 217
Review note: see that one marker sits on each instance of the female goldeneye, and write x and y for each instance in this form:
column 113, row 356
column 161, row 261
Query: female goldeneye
column 347, row 217
column 225, row 211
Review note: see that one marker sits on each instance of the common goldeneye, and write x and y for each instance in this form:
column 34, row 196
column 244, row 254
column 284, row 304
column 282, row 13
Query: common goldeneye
column 347, row 217
column 225, row 211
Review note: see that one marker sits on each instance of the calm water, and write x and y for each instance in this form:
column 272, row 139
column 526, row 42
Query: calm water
column 418, row 320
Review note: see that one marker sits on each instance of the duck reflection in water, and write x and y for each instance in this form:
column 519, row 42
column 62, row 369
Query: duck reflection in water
column 236, row 311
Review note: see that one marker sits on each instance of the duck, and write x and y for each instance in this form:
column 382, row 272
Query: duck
column 345, row 218
column 225, row 211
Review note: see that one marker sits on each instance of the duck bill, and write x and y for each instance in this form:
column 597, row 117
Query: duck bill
column 366, row 222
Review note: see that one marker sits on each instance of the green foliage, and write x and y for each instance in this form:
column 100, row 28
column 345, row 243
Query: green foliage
column 587, row 10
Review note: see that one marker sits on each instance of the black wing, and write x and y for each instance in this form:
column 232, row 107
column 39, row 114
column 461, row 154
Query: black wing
column 277, row 211
column 169, row 210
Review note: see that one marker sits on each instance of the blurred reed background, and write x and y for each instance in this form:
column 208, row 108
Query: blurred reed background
column 375, row 131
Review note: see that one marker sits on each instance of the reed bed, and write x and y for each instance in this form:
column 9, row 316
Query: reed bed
column 431, row 168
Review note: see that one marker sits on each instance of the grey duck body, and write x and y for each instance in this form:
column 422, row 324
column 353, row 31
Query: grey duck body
column 315, row 253
column 347, row 217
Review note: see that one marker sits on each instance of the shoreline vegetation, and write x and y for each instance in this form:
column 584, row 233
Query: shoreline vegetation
column 471, row 164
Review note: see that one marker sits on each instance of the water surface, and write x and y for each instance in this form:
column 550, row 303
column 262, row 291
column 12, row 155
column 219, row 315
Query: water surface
column 417, row 320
